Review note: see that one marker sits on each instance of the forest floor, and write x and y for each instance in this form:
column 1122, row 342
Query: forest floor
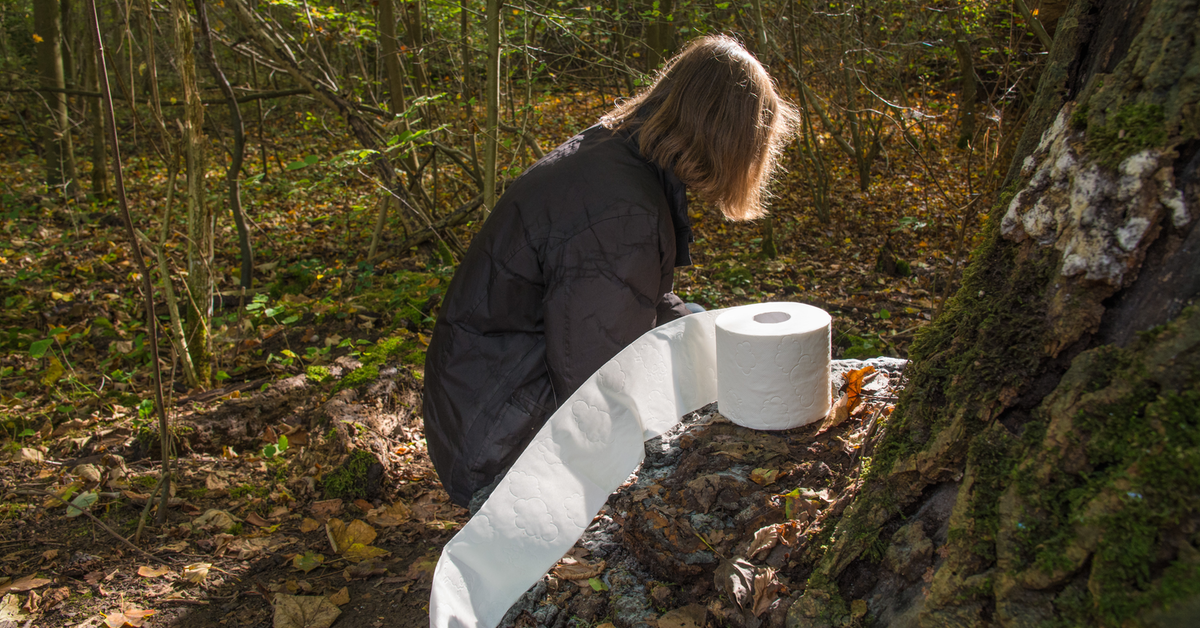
column 269, row 500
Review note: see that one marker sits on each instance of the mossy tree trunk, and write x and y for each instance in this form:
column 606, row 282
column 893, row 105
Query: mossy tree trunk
column 1057, row 400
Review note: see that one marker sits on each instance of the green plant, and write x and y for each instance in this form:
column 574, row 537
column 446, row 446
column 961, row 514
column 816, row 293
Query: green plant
column 275, row 449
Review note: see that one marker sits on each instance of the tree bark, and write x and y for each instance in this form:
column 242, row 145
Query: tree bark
column 56, row 132
column 200, row 218
column 233, row 175
column 1048, row 442
column 100, row 187
column 492, row 102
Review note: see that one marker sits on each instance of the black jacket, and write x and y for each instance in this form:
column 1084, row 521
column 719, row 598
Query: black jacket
column 574, row 263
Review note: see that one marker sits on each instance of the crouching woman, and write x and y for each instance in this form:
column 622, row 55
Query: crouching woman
column 577, row 258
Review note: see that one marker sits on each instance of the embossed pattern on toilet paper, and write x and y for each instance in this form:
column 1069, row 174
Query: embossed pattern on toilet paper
column 587, row 448
column 779, row 375
column 593, row 442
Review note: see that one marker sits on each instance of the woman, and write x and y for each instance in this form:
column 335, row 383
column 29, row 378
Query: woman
column 577, row 258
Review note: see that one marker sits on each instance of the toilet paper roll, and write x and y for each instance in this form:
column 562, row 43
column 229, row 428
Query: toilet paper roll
column 773, row 365
column 586, row 449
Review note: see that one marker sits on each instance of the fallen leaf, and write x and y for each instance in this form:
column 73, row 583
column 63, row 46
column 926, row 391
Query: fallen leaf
column 390, row 516
column 326, row 509
column 309, row 524
column 422, row 567
column 196, row 572
column 341, row 598
column 574, row 569
column 353, row 540
column 214, row 519
column 308, row 561
column 10, row 611
column 215, row 483
column 763, row 477
column 131, row 616
column 365, row 569
column 364, row 505
column 690, row 616
column 766, row 590
column 28, row 454
column 153, row 572
column 765, row 539
column 736, row 579
column 256, row 520
column 28, row 583
column 81, row 503
column 304, row 611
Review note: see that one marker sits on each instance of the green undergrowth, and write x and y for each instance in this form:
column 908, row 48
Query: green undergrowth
column 403, row 347
column 349, row 481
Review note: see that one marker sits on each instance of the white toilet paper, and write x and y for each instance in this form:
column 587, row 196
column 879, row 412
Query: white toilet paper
column 773, row 365
column 587, row 448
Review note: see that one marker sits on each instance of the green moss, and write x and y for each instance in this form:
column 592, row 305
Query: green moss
column 402, row 348
column 350, row 479
column 359, row 376
column 1131, row 129
column 248, row 490
column 1136, row 419
column 991, row 458
column 317, row 373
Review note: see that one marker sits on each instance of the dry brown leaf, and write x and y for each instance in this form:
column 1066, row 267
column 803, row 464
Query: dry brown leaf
column 256, row 520
column 28, row 583
column 278, row 511
column 309, row 524
column 304, row 611
column 766, row 590
column 131, row 616
column 10, row 611
column 365, row 569
column 214, row 483
column 837, row 414
column 364, row 505
column 342, row 597
column 326, row 509
column 153, row 572
column 196, row 572
column 570, row 568
column 690, row 616
column 390, row 516
column 764, row 540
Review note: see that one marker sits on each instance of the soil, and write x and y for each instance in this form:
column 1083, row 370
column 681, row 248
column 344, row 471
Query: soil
column 254, row 521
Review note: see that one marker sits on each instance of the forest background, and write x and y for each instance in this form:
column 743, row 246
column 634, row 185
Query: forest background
column 302, row 177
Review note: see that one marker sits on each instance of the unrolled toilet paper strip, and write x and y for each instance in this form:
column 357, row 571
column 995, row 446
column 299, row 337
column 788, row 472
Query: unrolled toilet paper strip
column 583, row 453
column 773, row 365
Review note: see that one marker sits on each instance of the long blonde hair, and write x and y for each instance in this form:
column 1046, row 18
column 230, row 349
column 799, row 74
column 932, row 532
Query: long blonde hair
column 714, row 117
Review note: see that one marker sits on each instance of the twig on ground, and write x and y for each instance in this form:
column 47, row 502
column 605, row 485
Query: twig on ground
column 109, row 530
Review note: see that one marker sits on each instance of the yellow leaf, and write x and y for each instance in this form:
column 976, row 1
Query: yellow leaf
column 37, row 38
column 54, row 372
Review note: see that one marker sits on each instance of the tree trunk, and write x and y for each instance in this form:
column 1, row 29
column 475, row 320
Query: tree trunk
column 1043, row 465
column 200, row 217
column 56, row 132
column 492, row 100
column 660, row 34
column 100, row 187
column 233, row 175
